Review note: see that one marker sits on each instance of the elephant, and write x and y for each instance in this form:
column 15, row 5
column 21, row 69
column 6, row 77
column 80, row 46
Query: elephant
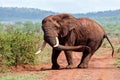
column 64, row 32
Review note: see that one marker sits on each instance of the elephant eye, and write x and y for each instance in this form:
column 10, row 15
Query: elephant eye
column 56, row 27
column 43, row 21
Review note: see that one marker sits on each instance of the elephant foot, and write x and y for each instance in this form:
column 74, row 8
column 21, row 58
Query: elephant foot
column 70, row 66
column 82, row 65
column 54, row 67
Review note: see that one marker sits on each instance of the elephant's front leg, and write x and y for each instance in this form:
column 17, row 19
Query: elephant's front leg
column 69, row 58
column 55, row 54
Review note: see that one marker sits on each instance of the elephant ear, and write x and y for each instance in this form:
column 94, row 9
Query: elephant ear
column 64, row 31
column 67, row 27
column 66, row 23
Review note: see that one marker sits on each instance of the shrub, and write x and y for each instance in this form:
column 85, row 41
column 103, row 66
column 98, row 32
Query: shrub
column 118, row 63
column 118, row 60
column 18, row 48
column 105, row 44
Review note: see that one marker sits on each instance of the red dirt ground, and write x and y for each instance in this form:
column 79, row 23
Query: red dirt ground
column 101, row 67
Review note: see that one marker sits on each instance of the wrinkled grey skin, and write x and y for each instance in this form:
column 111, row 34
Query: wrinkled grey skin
column 67, row 33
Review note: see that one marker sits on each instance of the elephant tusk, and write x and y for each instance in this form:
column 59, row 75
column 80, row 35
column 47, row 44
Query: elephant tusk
column 57, row 42
column 39, row 51
column 42, row 47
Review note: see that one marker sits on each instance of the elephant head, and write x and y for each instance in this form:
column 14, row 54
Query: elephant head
column 60, row 25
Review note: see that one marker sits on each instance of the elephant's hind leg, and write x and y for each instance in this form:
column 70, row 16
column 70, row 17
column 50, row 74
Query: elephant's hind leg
column 55, row 54
column 87, row 56
column 85, row 59
column 69, row 58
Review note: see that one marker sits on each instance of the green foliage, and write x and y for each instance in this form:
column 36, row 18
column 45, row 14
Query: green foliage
column 18, row 43
column 118, row 50
column 118, row 61
column 18, row 48
column 112, row 29
column 118, row 56
column 45, row 55
column 28, row 26
column 105, row 44
column 1, row 27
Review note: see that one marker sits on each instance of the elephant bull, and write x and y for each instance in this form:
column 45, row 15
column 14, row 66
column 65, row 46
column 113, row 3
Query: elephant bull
column 66, row 33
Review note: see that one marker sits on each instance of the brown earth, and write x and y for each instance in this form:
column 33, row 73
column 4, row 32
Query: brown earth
column 101, row 67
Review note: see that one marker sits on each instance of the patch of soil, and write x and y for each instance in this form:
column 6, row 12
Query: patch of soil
column 101, row 67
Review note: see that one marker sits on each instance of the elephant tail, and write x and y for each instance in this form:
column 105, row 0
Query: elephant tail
column 110, row 44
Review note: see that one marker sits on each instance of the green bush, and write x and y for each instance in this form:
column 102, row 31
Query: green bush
column 18, row 48
column 118, row 63
column 118, row 56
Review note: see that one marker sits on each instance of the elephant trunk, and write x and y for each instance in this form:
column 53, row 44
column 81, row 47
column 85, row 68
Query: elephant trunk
column 65, row 48
column 68, row 48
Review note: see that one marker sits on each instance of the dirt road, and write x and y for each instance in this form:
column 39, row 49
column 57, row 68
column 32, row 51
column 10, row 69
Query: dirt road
column 100, row 68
